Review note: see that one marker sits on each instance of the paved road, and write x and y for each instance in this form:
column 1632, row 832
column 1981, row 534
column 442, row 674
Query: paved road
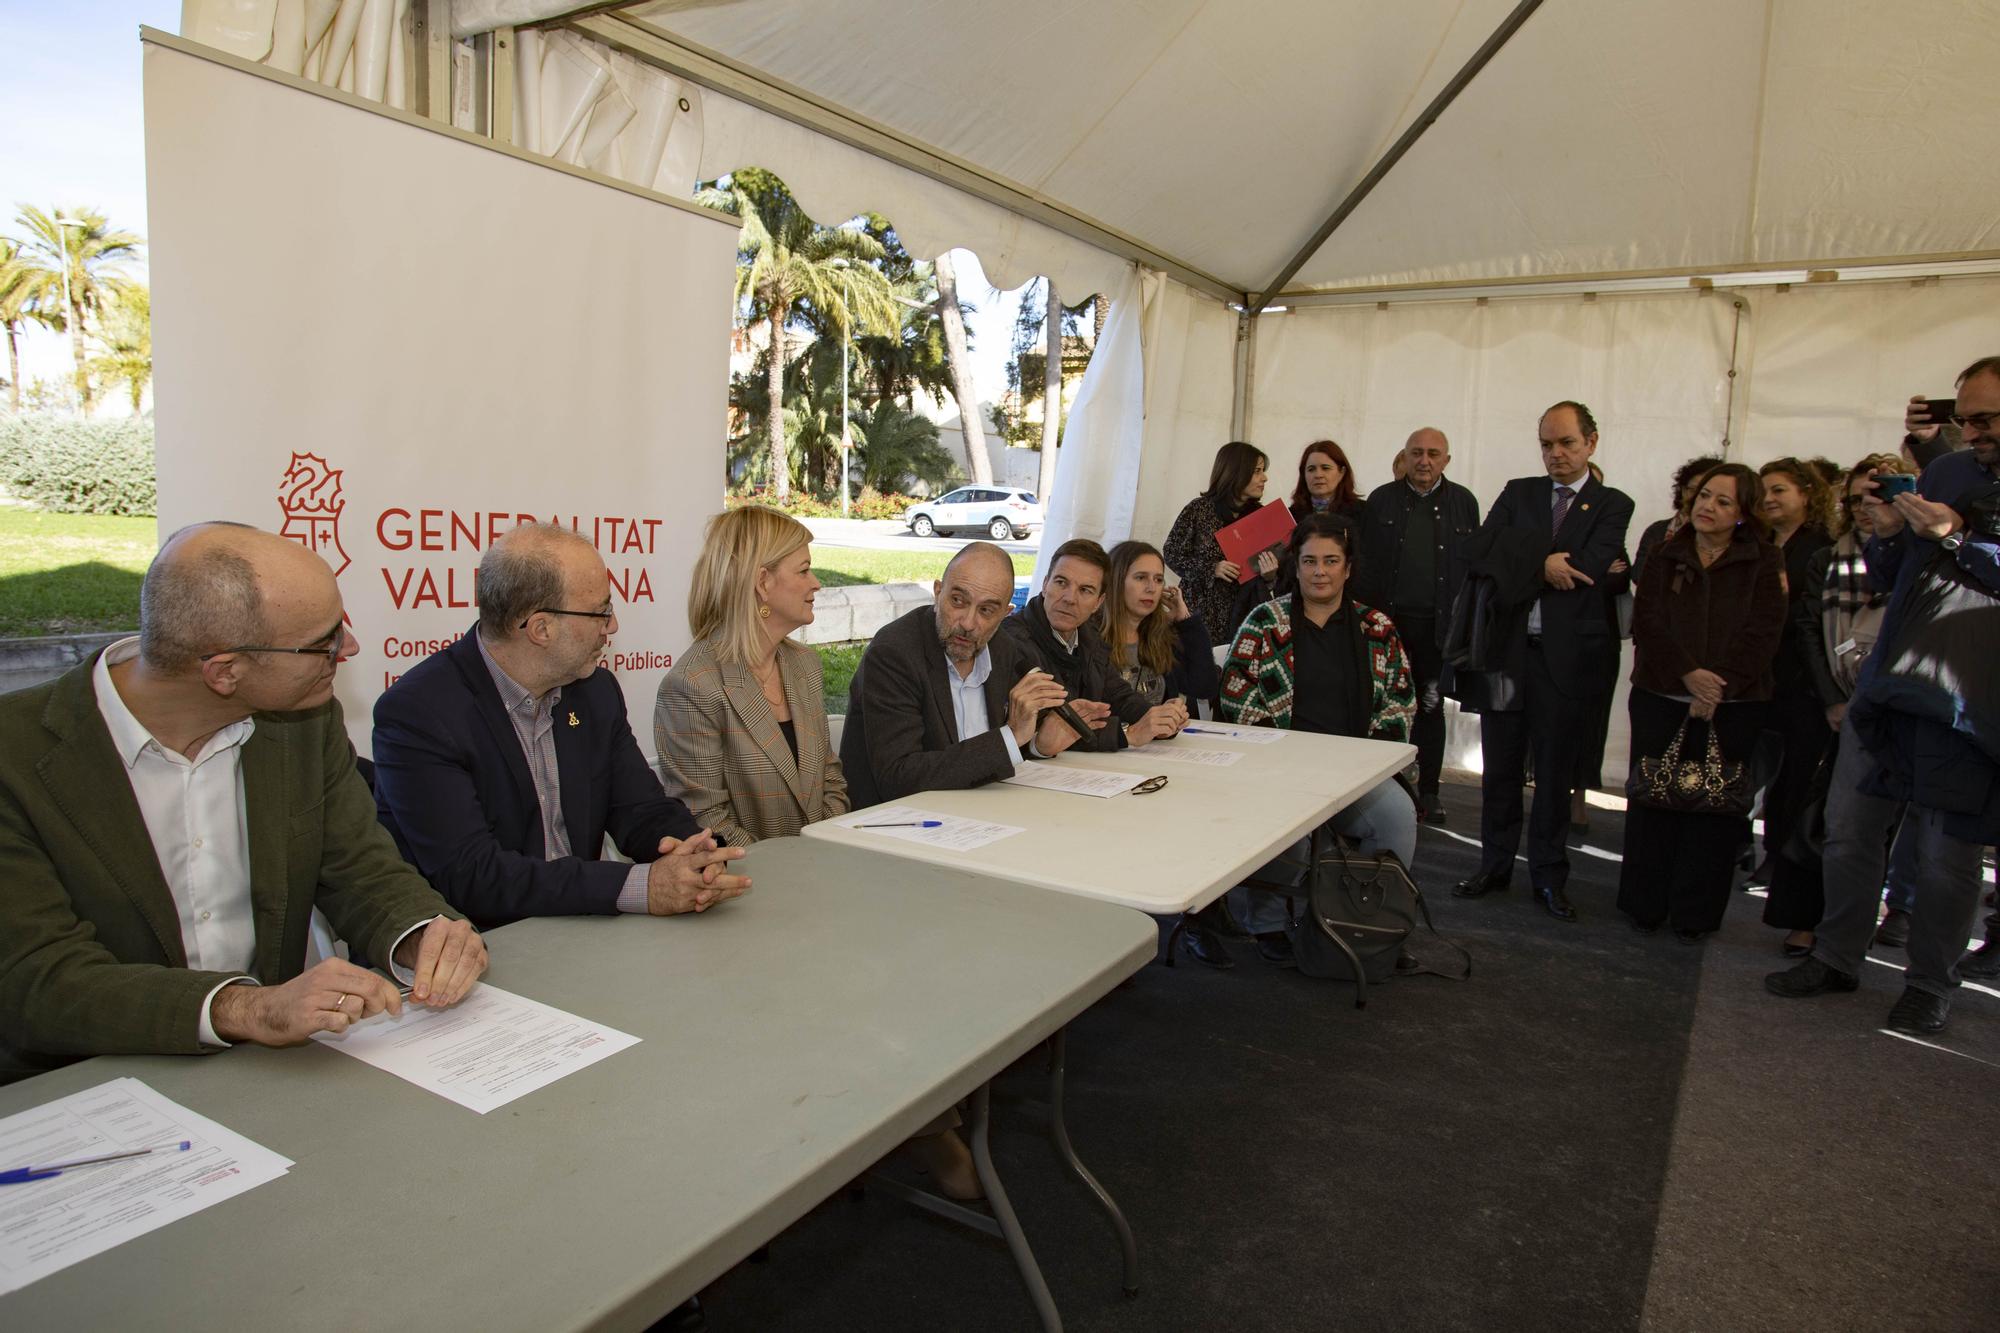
column 891, row 534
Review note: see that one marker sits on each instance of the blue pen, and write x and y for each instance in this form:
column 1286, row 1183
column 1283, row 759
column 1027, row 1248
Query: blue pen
column 1203, row 731
column 21, row 1175
column 914, row 823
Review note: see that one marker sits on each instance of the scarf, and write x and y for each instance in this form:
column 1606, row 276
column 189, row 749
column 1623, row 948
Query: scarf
column 1850, row 611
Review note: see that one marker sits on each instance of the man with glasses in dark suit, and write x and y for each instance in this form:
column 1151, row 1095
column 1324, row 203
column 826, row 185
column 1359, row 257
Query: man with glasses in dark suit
column 1557, row 655
column 502, row 762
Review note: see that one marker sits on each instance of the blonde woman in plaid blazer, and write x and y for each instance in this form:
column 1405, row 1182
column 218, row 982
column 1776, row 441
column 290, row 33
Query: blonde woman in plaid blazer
column 740, row 721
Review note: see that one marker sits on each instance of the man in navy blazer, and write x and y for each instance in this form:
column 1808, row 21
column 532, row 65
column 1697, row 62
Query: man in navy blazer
column 503, row 761
column 1562, row 655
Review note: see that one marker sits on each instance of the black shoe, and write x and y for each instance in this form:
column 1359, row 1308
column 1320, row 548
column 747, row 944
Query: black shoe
column 1983, row 963
column 1919, row 1012
column 1480, row 885
column 1894, row 930
column 1556, row 901
column 1642, row 927
column 1690, row 936
column 1812, row 977
column 1203, row 947
column 1275, row 946
column 1430, row 809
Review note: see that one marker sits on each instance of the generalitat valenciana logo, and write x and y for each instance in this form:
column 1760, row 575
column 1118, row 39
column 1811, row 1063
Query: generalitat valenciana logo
column 309, row 497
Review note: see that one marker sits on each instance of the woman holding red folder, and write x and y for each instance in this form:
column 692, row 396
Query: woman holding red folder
column 1208, row 577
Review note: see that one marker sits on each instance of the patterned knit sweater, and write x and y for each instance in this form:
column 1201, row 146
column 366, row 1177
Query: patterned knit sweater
column 1258, row 679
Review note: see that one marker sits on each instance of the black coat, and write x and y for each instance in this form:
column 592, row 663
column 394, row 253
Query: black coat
column 1577, row 634
column 1086, row 673
column 901, row 734
column 1384, row 519
column 452, row 785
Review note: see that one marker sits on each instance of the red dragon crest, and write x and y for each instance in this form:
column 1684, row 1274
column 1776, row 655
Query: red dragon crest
column 309, row 497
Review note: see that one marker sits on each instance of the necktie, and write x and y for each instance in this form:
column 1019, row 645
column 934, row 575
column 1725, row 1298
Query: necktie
column 1564, row 497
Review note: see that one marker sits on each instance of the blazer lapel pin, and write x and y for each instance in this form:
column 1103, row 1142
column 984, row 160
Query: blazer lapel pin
column 572, row 719
column 1586, row 505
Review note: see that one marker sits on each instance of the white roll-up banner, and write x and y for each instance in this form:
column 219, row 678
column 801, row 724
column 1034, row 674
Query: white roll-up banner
column 393, row 344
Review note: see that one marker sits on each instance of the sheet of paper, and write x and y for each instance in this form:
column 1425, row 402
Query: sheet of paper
column 1223, row 731
column 47, row 1225
column 490, row 1048
column 952, row 832
column 1182, row 754
column 1078, row 781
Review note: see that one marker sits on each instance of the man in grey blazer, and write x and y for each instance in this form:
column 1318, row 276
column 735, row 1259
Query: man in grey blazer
column 939, row 703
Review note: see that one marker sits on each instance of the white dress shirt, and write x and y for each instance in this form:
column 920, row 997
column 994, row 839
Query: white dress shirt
column 198, row 821
column 968, row 702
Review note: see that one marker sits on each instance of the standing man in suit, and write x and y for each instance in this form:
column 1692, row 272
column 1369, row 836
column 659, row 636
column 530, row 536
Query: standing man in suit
column 1413, row 536
column 502, row 762
column 1057, row 632
column 1558, row 657
column 172, row 811
column 939, row 703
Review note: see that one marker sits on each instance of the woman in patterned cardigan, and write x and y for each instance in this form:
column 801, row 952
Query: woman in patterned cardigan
column 1318, row 661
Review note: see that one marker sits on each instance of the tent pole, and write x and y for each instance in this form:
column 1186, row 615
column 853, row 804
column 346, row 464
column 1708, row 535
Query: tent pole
column 1240, row 390
column 1446, row 95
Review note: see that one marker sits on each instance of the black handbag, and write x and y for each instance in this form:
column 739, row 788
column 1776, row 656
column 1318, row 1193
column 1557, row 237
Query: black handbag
column 1360, row 912
column 1678, row 781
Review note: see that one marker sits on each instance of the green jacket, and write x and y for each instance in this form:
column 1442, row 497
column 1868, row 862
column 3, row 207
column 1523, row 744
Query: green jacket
column 91, row 960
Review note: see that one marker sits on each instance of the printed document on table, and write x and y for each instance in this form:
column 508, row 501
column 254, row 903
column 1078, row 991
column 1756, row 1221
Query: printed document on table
column 1079, row 781
column 485, row 1051
column 47, row 1225
column 952, row 832
column 1175, row 754
column 1223, row 731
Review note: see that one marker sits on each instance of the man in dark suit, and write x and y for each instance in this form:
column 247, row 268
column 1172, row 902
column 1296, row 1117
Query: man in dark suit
column 939, row 703
column 1557, row 656
column 173, row 811
column 1413, row 536
column 502, row 762
column 1055, row 632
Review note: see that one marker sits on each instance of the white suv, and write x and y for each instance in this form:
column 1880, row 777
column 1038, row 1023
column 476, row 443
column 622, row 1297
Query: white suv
column 998, row 512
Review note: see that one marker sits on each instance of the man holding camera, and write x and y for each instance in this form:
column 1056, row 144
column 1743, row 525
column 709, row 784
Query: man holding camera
column 1918, row 730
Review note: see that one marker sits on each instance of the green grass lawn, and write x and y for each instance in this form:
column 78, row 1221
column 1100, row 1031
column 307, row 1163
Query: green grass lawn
column 70, row 573
column 841, row 566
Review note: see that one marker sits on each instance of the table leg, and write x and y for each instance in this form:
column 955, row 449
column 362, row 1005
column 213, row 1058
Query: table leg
column 1060, row 1131
column 1173, row 938
column 1003, row 1211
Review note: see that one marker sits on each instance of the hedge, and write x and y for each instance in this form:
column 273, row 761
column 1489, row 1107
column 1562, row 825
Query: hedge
column 869, row 504
column 70, row 465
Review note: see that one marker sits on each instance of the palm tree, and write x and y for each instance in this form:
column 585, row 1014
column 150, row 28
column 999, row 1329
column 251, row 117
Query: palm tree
column 27, row 292
column 897, row 444
column 82, row 251
column 953, row 316
column 126, row 331
column 784, row 261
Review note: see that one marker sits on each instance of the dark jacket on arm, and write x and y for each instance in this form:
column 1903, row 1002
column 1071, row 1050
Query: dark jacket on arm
column 1086, row 673
column 901, row 734
column 1727, row 618
column 91, row 956
column 452, row 784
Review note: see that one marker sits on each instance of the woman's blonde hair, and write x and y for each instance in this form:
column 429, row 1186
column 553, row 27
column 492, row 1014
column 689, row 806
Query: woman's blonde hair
column 722, row 594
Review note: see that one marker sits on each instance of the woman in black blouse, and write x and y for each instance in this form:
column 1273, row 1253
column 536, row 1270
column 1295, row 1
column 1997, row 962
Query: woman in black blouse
column 1209, row 580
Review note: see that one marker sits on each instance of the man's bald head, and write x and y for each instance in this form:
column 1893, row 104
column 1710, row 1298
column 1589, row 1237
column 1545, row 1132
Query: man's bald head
column 223, row 585
column 1425, row 456
column 981, row 560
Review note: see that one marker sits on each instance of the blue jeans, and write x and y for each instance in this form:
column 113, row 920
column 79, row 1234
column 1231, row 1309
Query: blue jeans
column 1381, row 819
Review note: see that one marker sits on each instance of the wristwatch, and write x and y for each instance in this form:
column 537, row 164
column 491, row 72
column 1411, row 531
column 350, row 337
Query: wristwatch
column 1953, row 541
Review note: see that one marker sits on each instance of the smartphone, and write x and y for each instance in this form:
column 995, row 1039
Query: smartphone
column 1889, row 485
column 1940, row 410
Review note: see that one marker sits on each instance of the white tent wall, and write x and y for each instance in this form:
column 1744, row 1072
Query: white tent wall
column 1830, row 365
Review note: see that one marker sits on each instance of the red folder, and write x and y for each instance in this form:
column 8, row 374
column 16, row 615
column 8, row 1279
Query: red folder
column 1259, row 530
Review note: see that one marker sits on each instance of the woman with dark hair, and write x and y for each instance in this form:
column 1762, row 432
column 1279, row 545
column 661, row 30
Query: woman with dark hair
column 1798, row 507
column 1318, row 661
column 1161, row 649
column 1209, row 579
column 1686, row 478
column 1326, row 482
column 1705, row 627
